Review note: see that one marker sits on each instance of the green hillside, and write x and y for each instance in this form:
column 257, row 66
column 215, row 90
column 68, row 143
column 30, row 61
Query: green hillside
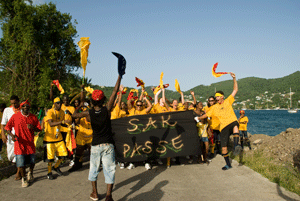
column 253, row 92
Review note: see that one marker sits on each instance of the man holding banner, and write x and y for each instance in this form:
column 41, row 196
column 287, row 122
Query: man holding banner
column 228, row 121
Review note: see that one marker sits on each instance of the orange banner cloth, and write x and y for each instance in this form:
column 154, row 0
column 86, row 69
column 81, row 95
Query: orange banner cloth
column 217, row 74
column 58, row 85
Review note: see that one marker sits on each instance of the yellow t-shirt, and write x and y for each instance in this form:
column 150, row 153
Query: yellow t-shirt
column 213, row 122
column 84, row 128
column 50, row 132
column 224, row 112
column 202, row 129
column 243, row 127
column 118, row 113
column 122, row 114
column 134, row 111
column 160, row 109
column 114, row 113
column 205, row 109
column 67, row 116
column 181, row 107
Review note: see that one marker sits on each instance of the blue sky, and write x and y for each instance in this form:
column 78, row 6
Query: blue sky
column 185, row 38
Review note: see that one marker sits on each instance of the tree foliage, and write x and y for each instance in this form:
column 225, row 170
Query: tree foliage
column 37, row 47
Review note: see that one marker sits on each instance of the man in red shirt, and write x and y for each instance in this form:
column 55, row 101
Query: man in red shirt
column 25, row 124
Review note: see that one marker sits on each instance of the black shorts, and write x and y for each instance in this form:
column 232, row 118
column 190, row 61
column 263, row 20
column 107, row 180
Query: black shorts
column 226, row 132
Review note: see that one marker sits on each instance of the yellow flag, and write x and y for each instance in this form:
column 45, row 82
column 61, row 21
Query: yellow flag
column 134, row 90
column 35, row 139
column 89, row 89
column 177, row 87
column 84, row 45
column 161, row 83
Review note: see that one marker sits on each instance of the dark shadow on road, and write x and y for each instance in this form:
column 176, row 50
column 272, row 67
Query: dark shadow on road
column 142, row 178
column 241, row 156
column 280, row 193
column 155, row 194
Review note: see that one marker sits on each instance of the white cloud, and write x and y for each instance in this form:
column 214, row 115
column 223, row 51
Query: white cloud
column 36, row 2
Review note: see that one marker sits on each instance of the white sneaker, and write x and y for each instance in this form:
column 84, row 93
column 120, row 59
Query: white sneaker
column 29, row 177
column 190, row 161
column 71, row 163
column 159, row 161
column 122, row 166
column 148, row 166
column 130, row 166
column 24, row 183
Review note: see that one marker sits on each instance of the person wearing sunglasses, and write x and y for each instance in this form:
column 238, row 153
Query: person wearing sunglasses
column 53, row 139
column 228, row 121
column 214, row 125
column 138, row 109
column 24, row 124
column 243, row 121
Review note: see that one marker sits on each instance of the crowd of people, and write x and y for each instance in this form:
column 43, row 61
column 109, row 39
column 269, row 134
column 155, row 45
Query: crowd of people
column 88, row 125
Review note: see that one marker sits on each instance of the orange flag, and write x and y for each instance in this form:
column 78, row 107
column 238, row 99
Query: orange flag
column 140, row 82
column 56, row 82
column 84, row 45
column 217, row 74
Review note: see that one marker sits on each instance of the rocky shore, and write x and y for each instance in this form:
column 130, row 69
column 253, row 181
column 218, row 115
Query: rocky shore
column 283, row 148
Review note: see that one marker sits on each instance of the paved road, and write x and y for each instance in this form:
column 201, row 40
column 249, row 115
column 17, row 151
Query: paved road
column 189, row 182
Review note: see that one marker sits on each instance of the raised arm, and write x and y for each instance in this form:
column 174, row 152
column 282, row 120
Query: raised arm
column 120, row 96
column 149, row 106
column 194, row 98
column 156, row 97
column 142, row 94
column 235, row 85
column 163, row 95
column 182, row 97
column 113, row 95
column 129, row 105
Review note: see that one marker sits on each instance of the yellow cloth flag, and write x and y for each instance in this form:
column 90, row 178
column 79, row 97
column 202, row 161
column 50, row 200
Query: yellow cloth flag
column 36, row 139
column 177, row 87
column 89, row 89
column 84, row 45
column 69, row 139
column 134, row 90
column 217, row 74
column 161, row 83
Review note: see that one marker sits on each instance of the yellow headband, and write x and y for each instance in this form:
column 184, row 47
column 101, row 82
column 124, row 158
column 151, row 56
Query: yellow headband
column 218, row 94
column 57, row 99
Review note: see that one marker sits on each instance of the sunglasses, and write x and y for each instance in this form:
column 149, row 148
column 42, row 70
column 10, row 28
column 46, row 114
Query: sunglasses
column 139, row 105
column 58, row 103
column 25, row 105
column 211, row 100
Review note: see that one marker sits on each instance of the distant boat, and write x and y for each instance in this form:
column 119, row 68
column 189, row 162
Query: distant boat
column 291, row 110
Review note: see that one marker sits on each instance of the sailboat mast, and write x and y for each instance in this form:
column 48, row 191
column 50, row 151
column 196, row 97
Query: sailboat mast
column 290, row 98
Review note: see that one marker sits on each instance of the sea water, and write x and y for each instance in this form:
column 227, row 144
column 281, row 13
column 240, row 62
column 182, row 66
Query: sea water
column 270, row 122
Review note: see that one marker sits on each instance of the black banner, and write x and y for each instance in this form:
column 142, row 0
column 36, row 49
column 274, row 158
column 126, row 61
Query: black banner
column 142, row 137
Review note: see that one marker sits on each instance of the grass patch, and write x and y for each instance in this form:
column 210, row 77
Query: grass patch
column 283, row 174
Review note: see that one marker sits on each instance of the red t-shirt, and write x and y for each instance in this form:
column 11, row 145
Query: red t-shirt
column 24, row 144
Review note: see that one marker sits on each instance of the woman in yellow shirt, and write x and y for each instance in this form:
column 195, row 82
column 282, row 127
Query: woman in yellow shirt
column 243, row 121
